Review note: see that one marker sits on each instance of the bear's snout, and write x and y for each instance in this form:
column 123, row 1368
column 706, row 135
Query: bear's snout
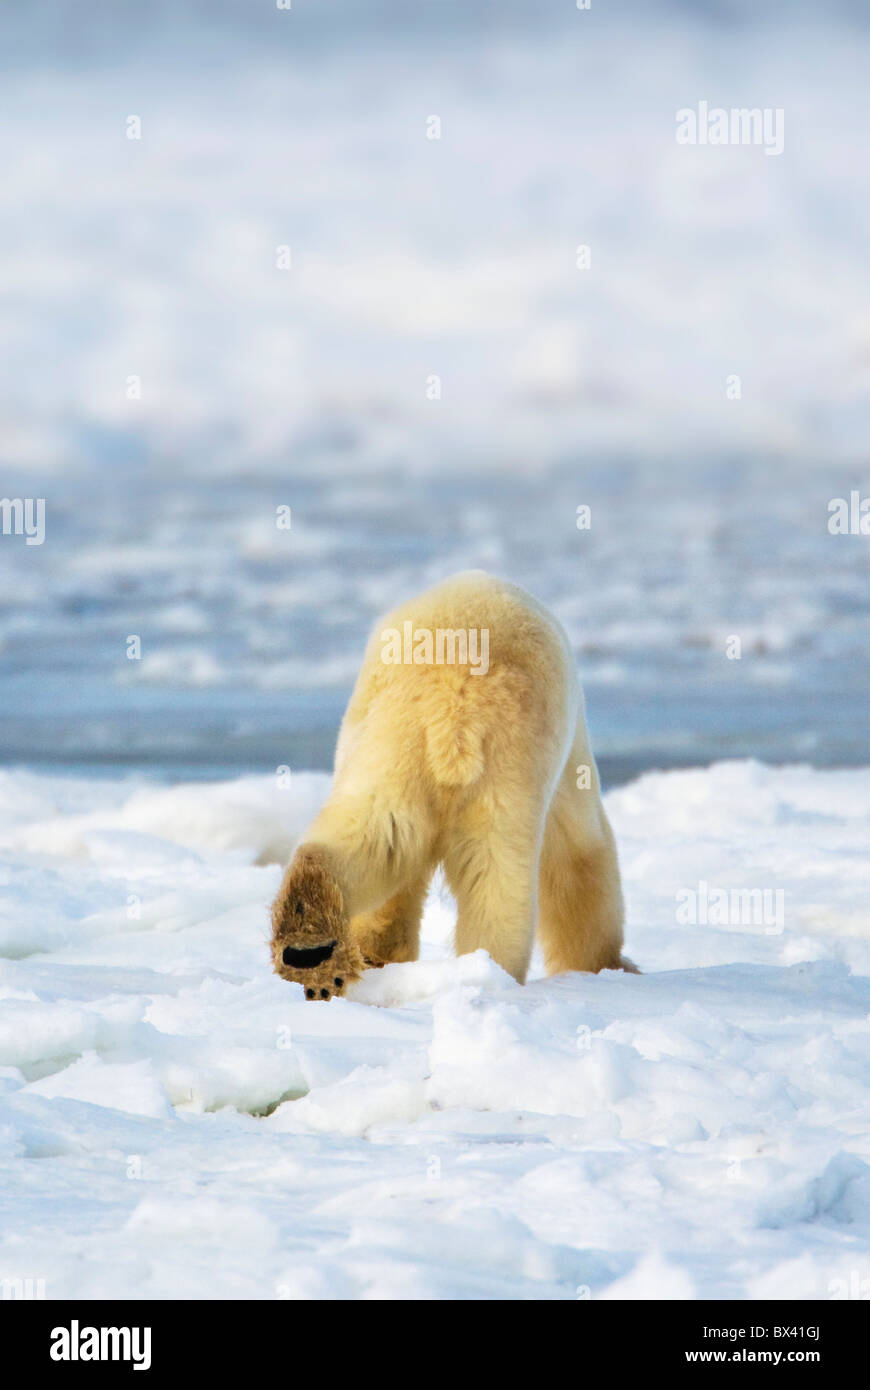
column 307, row 957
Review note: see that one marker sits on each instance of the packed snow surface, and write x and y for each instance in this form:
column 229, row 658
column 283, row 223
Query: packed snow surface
column 175, row 1121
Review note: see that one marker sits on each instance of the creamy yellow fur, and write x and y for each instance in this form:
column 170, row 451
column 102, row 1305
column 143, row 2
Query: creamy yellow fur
column 478, row 772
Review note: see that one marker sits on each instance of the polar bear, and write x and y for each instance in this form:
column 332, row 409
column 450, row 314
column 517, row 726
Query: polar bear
column 464, row 744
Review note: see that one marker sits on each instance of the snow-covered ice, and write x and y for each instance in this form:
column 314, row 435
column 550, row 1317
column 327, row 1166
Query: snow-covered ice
column 175, row 1121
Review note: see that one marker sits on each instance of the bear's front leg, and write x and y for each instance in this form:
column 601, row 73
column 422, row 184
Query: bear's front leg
column 322, row 970
column 392, row 932
column 312, row 944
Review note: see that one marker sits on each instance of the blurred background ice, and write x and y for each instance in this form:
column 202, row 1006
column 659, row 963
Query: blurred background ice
column 414, row 257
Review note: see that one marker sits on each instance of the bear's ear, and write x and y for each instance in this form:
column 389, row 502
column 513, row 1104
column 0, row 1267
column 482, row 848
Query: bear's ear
column 299, row 908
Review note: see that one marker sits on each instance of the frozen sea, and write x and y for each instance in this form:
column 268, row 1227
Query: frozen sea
column 154, row 259
column 251, row 636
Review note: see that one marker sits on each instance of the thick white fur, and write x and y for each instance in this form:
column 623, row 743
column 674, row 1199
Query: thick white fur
column 478, row 772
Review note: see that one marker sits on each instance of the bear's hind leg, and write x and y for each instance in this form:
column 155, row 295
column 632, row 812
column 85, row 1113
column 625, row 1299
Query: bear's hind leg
column 581, row 910
column 491, row 871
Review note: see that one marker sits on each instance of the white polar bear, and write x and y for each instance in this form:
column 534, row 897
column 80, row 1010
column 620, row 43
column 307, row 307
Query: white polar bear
column 465, row 744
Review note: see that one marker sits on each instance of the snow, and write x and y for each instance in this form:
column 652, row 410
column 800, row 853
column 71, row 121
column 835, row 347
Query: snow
column 175, row 1121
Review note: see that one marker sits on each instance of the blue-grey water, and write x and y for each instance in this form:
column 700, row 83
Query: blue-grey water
column 431, row 383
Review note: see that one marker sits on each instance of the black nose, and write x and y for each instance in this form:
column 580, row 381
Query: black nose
column 308, row 956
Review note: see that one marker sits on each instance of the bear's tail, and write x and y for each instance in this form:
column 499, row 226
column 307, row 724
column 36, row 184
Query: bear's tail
column 464, row 717
column 454, row 740
column 462, row 713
